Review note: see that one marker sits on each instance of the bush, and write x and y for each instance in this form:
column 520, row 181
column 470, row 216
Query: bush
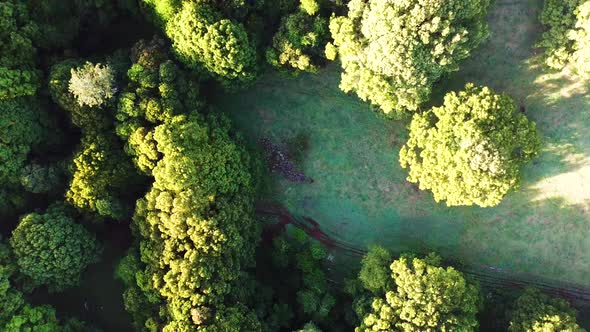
column 469, row 150
column 392, row 52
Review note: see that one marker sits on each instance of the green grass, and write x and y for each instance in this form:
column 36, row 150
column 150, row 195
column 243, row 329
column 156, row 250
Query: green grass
column 360, row 194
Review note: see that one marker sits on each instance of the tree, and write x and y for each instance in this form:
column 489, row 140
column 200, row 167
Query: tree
column 566, row 38
column 102, row 177
column 41, row 318
column 11, row 300
column 195, row 227
column 537, row 312
column 309, row 327
column 92, row 85
column 157, row 91
column 426, row 297
column 375, row 274
column 202, row 39
column 82, row 116
column 36, row 178
column 469, row 150
column 392, row 52
column 18, row 75
column 298, row 43
column 52, row 250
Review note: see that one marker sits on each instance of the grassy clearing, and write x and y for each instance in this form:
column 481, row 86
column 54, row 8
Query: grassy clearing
column 360, row 194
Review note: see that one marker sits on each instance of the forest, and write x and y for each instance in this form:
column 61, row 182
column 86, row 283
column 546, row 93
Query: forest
column 294, row 165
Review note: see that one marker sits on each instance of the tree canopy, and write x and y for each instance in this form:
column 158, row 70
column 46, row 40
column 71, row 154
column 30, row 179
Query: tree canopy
column 567, row 35
column 537, row 312
column 392, row 52
column 424, row 297
column 92, row 85
column 469, row 150
column 52, row 250
column 204, row 40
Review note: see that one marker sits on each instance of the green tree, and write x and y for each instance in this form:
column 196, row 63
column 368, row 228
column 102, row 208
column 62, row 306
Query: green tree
column 392, row 52
column 102, row 177
column 375, row 274
column 157, row 91
column 426, row 297
column 195, row 227
column 203, row 39
column 469, row 150
column 36, row 178
column 298, row 45
column 41, row 318
column 52, row 250
column 92, row 85
column 11, row 300
column 565, row 40
column 309, row 327
column 18, row 75
column 537, row 312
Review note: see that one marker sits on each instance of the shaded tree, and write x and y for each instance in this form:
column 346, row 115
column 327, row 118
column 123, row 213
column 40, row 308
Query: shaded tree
column 469, row 150
column 52, row 250
column 299, row 43
column 392, row 52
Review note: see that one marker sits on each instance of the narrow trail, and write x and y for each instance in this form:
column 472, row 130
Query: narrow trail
column 488, row 276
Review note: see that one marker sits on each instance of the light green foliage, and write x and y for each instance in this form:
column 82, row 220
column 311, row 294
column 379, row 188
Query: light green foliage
column 18, row 76
column 202, row 39
column 392, row 52
column 469, row 150
column 157, row 91
column 82, row 116
column 20, row 130
column 426, row 297
column 298, row 45
column 311, row 7
column 537, row 312
column 375, row 274
column 161, row 11
column 195, row 225
column 566, row 38
column 101, row 175
column 37, row 178
column 52, row 250
column 92, row 85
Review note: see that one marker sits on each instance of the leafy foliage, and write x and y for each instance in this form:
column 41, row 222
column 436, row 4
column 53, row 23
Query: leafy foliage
column 375, row 275
column 92, row 85
column 299, row 42
column 566, row 38
column 202, row 39
column 469, row 150
column 537, row 312
column 52, row 250
column 36, row 178
column 195, row 227
column 82, row 116
column 102, row 175
column 426, row 297
column 18, row 76
column 393, row 51
column 157, row 91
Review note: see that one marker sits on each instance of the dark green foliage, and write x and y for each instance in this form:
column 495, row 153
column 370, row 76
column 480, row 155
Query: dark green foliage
column 30, row 318
column 36, row 178
column 299, row 43
column 537, row 312
column 11, row 300
column 204, row 40
column 18, row 76
column 375, row 274
column 157, row 91
column 52, row 250
column 195, row 227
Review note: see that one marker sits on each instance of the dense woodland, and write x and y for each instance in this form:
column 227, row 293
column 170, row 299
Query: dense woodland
column 106, row 127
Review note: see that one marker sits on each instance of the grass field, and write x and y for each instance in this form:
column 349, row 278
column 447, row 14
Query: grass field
column 360, row 195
